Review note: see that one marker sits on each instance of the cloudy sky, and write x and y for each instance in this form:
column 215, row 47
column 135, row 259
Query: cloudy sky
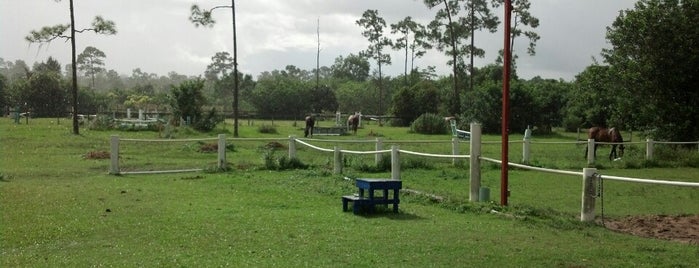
column 157, row 37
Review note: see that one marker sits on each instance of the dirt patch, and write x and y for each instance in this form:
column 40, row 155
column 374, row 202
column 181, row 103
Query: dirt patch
column 683, row 228
column 97, row 155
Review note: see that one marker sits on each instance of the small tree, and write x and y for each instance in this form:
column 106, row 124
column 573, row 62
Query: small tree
column 187, row 100
column 373, row 31
column 91, row 62
column 48, row 34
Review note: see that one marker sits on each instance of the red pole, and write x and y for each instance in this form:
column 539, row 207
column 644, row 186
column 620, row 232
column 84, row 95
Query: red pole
column 504, row 191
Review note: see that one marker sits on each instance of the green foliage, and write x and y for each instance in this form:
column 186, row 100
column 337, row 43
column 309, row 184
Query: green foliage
column 272, row 162
column 409, row 103
column 267, row 129
column 101, row 122
column 484, row 105
column 653, row 59
column 46, row 94
column 208, row 122
column 282, row 94
column 352, row 68
column 187, row 100
column 429, row 124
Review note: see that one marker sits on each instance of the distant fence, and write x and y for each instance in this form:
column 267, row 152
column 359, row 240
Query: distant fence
column 590, row 176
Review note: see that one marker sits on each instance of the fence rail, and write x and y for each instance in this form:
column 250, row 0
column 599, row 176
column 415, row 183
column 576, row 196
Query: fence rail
column 589, row 175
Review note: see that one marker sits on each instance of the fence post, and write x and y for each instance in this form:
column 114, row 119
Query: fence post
column 587, row 212
column 474, row 162
column 649, row 149
column 338, row 161
column 526, row 146
column 222, row 151
column 590, row 151
column 114, row 155
column 379, row 147
column 292, row 147
column 455, row 150
column 395, row 163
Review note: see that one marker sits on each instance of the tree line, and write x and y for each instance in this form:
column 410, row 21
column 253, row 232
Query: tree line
column 646, row 82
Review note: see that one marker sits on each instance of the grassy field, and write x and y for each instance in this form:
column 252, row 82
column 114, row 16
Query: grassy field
column 60, row 208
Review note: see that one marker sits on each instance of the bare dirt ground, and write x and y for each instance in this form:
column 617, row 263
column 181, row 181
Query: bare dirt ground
column 684, row 229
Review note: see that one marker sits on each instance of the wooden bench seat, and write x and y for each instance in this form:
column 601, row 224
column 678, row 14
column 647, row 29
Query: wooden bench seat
column 357, row 202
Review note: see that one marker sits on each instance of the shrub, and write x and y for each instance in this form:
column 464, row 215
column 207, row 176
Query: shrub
column 209, row 122
column 267, row 129
column 281, row 163
column 102, row 122
column 429, row 124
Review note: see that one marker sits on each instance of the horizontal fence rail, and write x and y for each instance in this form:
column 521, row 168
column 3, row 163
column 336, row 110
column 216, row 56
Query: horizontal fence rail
column 589, row 175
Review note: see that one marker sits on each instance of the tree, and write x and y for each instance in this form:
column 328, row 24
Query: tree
column 220, row 73
column 203, row 18
column 48, row 34
column 220, row 66
column 46, row 91
column 187, row 100
column 282, row 94
column 4, row 106
column 91, row 62
column 353, row 67
column 417, row 46
column 411, row 102
column 450, row 33
column 373, row 31
column 522, row 18
column 323, row 99
column 654, row 54
column 593, row 100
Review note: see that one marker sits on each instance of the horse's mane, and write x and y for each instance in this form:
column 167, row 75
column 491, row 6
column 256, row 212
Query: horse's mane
column 616, row 135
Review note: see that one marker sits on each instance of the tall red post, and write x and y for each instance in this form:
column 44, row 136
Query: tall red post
column 504, row 190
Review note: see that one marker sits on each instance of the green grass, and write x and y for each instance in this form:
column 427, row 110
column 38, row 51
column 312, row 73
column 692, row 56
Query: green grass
column 61, row 210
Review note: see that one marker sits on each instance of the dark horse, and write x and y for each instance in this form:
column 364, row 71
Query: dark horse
column 310, row 123
column 353, row 122
column 600, row 134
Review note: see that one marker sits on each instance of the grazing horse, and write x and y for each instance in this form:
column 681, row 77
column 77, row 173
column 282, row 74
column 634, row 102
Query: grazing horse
column 600, row 134
column 310, row 123
column 353, row 122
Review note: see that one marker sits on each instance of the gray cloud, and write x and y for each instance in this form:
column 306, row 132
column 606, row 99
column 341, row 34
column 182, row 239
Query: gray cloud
column 157, row 37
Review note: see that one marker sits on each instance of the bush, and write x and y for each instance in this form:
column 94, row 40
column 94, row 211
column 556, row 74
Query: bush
column 102, row 122
column 281, row 163
column 429, row 124
column 267, row 129
column 209, row 122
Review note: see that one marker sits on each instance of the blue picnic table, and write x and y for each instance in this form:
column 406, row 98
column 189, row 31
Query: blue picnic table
column 366, row 198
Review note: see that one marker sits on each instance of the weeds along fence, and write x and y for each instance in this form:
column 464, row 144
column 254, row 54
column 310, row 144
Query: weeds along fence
column 591, row 178
column 157, row 156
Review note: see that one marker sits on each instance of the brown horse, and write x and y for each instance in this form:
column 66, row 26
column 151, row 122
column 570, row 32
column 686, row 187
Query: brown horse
column 353, row 122
column 310, row 123
column 611, row 135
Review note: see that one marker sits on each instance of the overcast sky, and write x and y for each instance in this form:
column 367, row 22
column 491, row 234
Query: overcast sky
column 157, row 36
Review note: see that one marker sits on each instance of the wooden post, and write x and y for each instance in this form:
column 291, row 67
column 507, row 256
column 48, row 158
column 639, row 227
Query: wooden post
column 292, row 147
column 222, row 151
column 474, row 162
column 395, row 163
column 649, row 149
column 526, row 149
column 454, row 150
column 587, row 212
column 338, row 161
column 379, row 147
column 114, row 155
column 590, row 151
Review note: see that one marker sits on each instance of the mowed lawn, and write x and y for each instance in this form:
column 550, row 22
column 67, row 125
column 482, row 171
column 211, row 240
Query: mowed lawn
column 61, row 209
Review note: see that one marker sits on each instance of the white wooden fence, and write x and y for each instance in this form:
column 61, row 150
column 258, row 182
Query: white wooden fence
column 589, row 176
